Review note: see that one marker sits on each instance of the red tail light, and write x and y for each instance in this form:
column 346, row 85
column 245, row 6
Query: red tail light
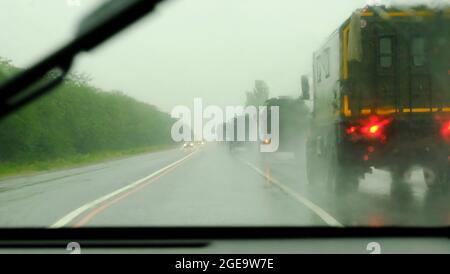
column 373, row 128
column 445, row 130
column 351, row 130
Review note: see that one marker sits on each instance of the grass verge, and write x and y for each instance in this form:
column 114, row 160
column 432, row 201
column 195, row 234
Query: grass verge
column 11, row 169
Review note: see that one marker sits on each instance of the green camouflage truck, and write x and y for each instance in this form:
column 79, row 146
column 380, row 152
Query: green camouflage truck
column 382, row 98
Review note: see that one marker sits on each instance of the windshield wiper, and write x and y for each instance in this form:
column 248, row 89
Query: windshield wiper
column 106, row 21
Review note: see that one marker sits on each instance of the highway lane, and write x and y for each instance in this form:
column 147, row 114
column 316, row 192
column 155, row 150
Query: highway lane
column 374, row 204
column 40, row 200
column 210, row 187
column 213, row 188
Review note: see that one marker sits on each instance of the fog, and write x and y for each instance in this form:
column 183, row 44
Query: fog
column 214, row 50
column 106, row 161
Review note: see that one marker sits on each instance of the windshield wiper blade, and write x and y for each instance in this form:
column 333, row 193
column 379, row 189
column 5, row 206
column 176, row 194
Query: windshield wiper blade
column 106, row 21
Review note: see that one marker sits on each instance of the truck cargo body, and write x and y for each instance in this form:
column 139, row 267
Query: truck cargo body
column 382, row 91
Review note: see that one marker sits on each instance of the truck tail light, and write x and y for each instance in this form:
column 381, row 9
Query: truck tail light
column 372, row 128
column 445, row 130
column 351, row 130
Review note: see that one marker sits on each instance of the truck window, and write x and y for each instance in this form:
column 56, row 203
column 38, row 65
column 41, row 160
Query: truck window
column 418, row 51
column 385, row 52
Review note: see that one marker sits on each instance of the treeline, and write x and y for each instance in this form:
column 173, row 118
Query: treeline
column 77, row 118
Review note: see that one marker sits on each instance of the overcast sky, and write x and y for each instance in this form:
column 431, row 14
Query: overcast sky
column 213, row 49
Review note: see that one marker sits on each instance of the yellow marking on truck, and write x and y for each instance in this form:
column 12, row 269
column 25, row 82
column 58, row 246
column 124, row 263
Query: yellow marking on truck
column 382, row 111
column 345, row 53
column 347, row 111
column 367, row 14
column 401, row 13
column 366, row 111
column 419, row 110
column 387, row 111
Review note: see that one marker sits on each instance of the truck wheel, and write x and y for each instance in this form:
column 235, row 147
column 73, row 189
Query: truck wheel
column 342, row 179
column 438, row 181
column 313, row 169
column 326, row 171
column 400, row 189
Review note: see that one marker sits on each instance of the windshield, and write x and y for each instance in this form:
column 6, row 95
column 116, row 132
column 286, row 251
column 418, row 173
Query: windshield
column 233, row 113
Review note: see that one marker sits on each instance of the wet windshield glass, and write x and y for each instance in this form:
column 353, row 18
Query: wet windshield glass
column 233, row 113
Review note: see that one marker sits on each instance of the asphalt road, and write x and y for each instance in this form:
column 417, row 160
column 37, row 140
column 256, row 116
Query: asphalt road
column 209, row 186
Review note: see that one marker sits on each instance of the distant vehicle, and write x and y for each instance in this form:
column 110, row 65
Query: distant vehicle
column 382, row 98
column 293, row 124
column 238, row 143
column 189, row 145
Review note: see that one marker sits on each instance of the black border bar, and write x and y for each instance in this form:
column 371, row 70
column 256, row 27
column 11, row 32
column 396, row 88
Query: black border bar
column 224, row 233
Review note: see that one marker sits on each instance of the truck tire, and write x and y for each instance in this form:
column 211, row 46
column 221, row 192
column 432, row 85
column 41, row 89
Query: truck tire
column 439, row 180
column 325, row 170
column 313, row 169
column 400, row 189
column 342, row 178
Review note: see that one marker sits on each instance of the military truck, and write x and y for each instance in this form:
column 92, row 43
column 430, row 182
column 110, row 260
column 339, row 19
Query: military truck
column 238, row 142
column 293, row 124
column 382, row 98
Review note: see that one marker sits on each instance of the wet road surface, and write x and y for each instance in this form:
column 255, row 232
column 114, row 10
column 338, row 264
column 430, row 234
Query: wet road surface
column 209, row 186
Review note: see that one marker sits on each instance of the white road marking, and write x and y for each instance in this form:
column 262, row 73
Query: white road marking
column 77, row 212
column 325, row 216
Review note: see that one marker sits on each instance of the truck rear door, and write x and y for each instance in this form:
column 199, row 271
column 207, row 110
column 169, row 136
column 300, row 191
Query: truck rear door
column 413, row 65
